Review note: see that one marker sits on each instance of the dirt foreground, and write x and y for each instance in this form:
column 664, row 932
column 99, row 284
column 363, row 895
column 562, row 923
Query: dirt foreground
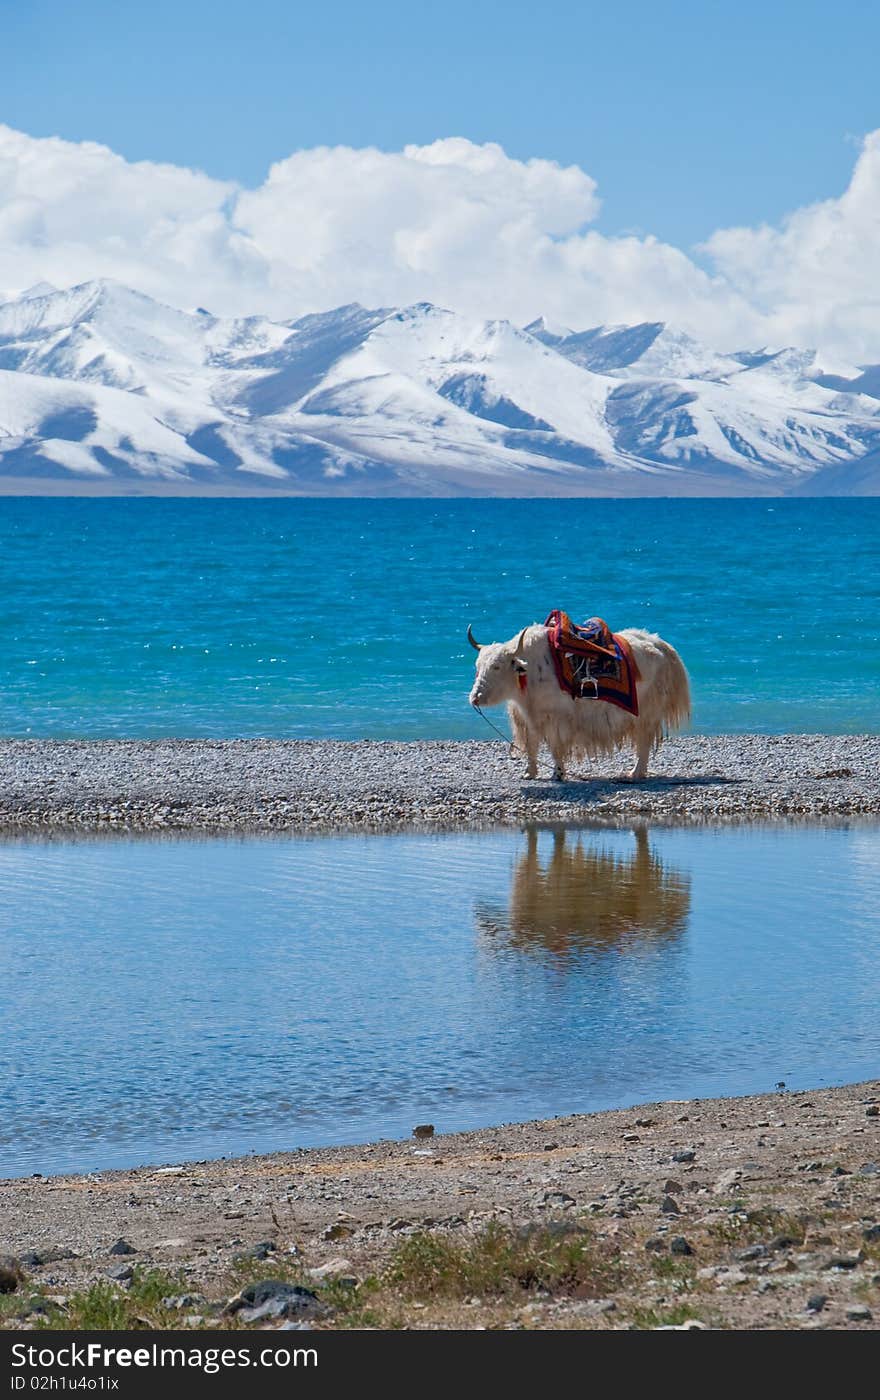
column 759, row 1212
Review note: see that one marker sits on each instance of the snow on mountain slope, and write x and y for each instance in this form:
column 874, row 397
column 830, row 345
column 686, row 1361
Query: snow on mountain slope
column 436, row 367
column 100, row 382
column 648, row 350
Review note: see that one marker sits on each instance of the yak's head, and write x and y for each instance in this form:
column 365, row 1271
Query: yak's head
column 499, row 668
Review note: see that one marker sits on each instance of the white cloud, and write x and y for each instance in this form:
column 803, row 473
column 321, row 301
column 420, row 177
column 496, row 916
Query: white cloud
column 452, row 222
column 816, row 280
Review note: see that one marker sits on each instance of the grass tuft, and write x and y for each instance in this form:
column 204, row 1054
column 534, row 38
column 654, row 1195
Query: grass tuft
column 499, row 1262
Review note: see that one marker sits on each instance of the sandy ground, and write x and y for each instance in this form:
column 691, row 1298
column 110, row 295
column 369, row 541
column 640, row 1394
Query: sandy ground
column 270, row 785
column 777, row 1198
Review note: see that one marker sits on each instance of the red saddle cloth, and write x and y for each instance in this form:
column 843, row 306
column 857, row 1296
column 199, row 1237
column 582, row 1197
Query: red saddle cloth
column 592, row 663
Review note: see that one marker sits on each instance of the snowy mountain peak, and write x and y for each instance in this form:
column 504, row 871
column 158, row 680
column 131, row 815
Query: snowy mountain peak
column 102, row 382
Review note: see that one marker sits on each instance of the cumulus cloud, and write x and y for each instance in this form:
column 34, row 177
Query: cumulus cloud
column 814, row 280
column 460, row 224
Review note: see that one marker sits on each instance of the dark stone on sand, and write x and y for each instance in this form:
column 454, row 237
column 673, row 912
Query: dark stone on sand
column 122, row 1247
column 683, row 1156
column 816, row 1302
column 751, row 1252
column 36, row 1258
column 260, row 1251
column 845, row 1261
column 679, row 1245
column 271, row 1297
column 558, row 1198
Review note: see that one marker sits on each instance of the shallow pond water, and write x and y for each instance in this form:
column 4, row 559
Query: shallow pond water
column 175, row 999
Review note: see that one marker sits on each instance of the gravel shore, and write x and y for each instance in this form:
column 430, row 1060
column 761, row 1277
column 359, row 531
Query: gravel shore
column 272, row 785
column 758, row 1212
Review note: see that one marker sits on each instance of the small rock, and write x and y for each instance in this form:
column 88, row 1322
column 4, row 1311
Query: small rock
column 334, row 1268
column 655, row 1245
column 780, row 1242
column 751, row 1252
column 337, row 1232
column 260, row 1251
column 399, row 1224
column 872, row 1111
column 679, row 1245
column 871, row 1234
column 178, row 1301
column 841, row 1171
column 550, row 1146
column 869, row 1169
column 672, row 1188
column 816, row 1302
column 36, row 1258
column 645, row 1122
column 782, row 1266
column 727, row 1181
column 733, row 1276
column 669, row 1206
column 122, row 1247
column 845, row 1261
column 121, row 1273
column 859, row 1313
column 558, row 1198
column 423, row 1130
column 687, row 1156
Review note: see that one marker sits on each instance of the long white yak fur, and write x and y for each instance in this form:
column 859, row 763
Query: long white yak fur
column 542, row 712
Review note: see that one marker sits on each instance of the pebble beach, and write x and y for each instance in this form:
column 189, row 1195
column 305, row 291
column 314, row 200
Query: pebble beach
column 322, row 786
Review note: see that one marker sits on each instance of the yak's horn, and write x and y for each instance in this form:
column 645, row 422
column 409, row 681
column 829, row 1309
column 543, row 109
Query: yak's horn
column 519, row 642
column 472, row 639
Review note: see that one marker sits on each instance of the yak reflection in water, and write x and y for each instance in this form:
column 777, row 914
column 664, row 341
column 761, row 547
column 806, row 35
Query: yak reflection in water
column 587, row 897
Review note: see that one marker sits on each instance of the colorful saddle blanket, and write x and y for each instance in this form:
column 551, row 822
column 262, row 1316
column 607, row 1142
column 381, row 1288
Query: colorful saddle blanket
column 592, row 663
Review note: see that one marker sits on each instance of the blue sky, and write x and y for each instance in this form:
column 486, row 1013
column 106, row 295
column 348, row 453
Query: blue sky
column 690, row 116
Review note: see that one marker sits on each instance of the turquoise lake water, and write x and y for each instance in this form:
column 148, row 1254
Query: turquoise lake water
column 291, row 618
column 179, row 999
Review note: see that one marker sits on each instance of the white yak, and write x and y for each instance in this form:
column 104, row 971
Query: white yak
column 521, row 674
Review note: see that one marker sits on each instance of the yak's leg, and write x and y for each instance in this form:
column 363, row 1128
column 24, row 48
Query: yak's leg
column 559, row 755
column 525, row 739
column 643, row 753
column 532, row 744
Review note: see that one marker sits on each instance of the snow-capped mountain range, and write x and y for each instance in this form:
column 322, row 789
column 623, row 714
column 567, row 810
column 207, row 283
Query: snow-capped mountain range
column 102, row 388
